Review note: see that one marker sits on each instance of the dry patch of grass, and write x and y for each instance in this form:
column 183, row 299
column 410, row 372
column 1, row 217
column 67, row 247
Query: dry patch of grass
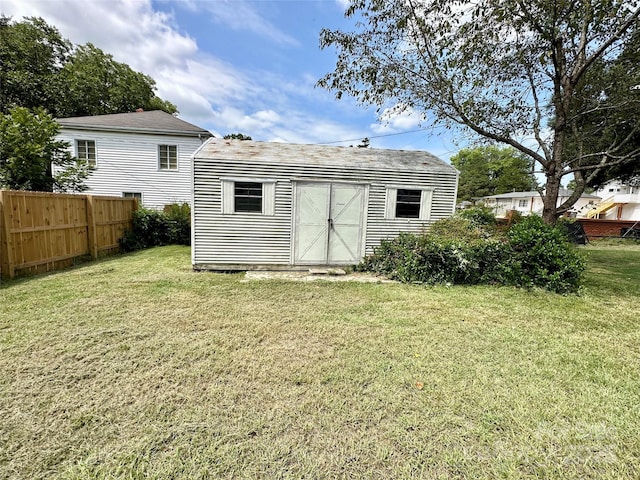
column 137, row 367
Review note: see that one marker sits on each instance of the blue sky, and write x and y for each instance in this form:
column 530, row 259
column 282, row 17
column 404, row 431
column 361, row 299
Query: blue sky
column 237, row 66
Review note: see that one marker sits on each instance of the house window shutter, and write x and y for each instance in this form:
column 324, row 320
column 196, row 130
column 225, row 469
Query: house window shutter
column 390, row 209
column 227, row 196
column 425, row 204
column 269, row 198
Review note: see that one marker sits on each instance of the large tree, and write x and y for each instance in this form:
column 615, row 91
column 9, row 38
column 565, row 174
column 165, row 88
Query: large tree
column 31, row 55
column 39, row 68
column 508, row 71
column 32, row 159
column 491, row 171
column 96, row 84
column 607, row 109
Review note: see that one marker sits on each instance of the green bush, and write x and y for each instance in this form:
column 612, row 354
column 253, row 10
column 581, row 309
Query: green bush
column 432, row 259
column 480, row 216
column 544, row 256
column 458, row 251
column 153, row 228
column 178, row 217
column 460, row 229
column 413, row 258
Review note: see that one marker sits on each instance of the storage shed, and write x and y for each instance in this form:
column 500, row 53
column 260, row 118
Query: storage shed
column 259, row 205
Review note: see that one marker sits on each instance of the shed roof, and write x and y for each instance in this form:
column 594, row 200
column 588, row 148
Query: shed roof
column 350, row 157
column 153, row 121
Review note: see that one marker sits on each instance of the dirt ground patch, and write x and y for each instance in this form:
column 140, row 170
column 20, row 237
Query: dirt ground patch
column 306, row 276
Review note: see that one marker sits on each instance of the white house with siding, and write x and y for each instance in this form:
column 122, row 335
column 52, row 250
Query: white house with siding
column 620, row 201
column 143, row 154
column 527, row 203
column 282, row 206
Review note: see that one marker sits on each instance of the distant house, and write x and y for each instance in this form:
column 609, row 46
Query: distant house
column 527, row 203
column 146, row 155
column 275, row 205
column 620, row 201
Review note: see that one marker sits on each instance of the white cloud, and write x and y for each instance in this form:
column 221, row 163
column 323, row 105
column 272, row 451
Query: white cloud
column 208, row 91
column 398, row 119
column 148, row 41
column 295, row 127
column 343, row 4
column 239, row 15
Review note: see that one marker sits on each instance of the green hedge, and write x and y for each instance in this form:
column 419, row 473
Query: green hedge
column 460, row 250
column 153, row 228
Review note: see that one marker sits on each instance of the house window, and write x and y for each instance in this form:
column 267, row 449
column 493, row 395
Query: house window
column 86, row 150
column 523, row 203
column 409, row 203
column 247, row 197
column 137, row 195
column 167, row 157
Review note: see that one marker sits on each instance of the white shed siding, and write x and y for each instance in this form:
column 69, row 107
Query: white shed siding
column 252, row 239
column 128, row 162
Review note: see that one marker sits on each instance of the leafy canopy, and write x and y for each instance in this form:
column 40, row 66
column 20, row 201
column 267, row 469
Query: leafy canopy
column 236, row 136
column 28, row 150
column 610, row 100
column 508, row 72
column 491, row 171
column 42, row 69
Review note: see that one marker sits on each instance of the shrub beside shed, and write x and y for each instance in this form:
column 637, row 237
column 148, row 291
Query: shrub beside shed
column 259, row 205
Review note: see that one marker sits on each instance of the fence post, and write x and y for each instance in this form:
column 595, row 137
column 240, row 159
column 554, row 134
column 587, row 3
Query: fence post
column 91, row 228
column 7, row 240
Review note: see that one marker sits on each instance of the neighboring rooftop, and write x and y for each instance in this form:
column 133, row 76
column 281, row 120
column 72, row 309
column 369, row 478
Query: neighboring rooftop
column 563, row 192
column 287, row 153
column 154, row 121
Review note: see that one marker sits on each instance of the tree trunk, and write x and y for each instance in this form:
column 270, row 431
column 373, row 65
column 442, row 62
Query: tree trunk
column 550, row 200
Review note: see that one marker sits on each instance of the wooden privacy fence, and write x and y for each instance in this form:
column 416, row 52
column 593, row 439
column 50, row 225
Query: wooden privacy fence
column 42, row 231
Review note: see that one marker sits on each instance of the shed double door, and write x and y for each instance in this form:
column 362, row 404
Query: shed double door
column 329, row 221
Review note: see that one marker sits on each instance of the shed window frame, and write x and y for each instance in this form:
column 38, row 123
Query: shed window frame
column 425, row 202
column 523, row 203
column 247, row 197
column 229, row 204
column 168, row 158
column 86, row 150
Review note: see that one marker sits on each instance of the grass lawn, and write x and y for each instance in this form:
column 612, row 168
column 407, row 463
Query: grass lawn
column 137, row 367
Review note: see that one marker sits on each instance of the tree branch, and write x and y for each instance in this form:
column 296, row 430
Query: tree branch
column 577, row 74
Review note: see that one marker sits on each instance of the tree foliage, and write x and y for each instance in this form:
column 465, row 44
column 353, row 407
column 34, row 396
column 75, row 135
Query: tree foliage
column 509, row 72
column 609, row 100
column 39, row 68
column 96, row 84
column 236, row 136
column 491, row 171
column 31, row 55
column 29, row 154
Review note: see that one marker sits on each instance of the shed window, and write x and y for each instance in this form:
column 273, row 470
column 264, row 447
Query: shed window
column 167, row 157
column 247, row 197
column 86, row 150
column 409, row 203
column 523, row 203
